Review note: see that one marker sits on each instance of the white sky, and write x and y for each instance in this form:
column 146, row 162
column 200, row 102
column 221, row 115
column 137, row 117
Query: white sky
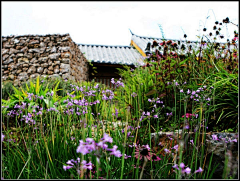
column 108, row 23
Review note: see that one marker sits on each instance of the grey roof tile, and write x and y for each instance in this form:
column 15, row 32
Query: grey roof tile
column 142, row 41
column 112, row 54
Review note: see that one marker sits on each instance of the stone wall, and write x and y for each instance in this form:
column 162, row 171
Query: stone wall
column 27, row 56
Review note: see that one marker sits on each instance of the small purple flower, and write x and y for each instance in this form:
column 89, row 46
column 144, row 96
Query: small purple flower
column 107, row 138
column 214, row 137
column 208, row 99
column 116, row 112
column 3, row 137
column 155, row 116
column 188, row 170
column 181, row 90
column 193, row 92
column 115, row 152
column 182, row 165
column 199, row 170
column 175, row 166
column 191, row 141
column 82, row 148
column 112, row 81
column 175, row 147
column 134, row 94
column 52, row 93
column 167, row 150
column 102, row 145
column 66, row 167
column 188, row 91
column 96, row 86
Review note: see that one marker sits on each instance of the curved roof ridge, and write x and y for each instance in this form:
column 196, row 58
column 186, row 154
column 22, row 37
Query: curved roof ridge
column 193, row 41
column 104, row 45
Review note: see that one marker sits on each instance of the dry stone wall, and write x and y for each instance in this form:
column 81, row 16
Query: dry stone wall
column 25, row 57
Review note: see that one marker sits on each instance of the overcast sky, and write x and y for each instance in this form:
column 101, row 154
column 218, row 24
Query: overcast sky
column 108, row 23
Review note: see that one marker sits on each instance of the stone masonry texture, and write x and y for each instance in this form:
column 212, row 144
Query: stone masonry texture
column 27, row 56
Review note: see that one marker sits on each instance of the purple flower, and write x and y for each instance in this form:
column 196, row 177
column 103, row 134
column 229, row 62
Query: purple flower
column 66, row 167
column 115, row 152
column 101, row 144
column 175, row 147
column 96, row 86
column 126, row 156
column 182, row 165
column 208, row 99
column 193, row 92
column 188, row 92
column 191, row 141
column 112, row 81
column 107, row 138
column 199, row 170
column 3, row 137
column 214, row 137
column 86, row 165
column 187, row 170
column 82, row 148
column 181, row 90
column 175, row 166
column 155, row 116
column 134, row 94
column 116, row 112
column 167, row 150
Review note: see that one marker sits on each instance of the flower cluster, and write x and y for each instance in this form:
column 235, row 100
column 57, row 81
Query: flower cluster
column 78, row 165
column 199, row 95
column 107, row 95
column 155, row 109
column 186, row 170
column 118, row 83
column 90, row 145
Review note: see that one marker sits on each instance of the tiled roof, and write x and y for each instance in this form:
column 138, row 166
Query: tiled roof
column 114, row 54
column 142, row 41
